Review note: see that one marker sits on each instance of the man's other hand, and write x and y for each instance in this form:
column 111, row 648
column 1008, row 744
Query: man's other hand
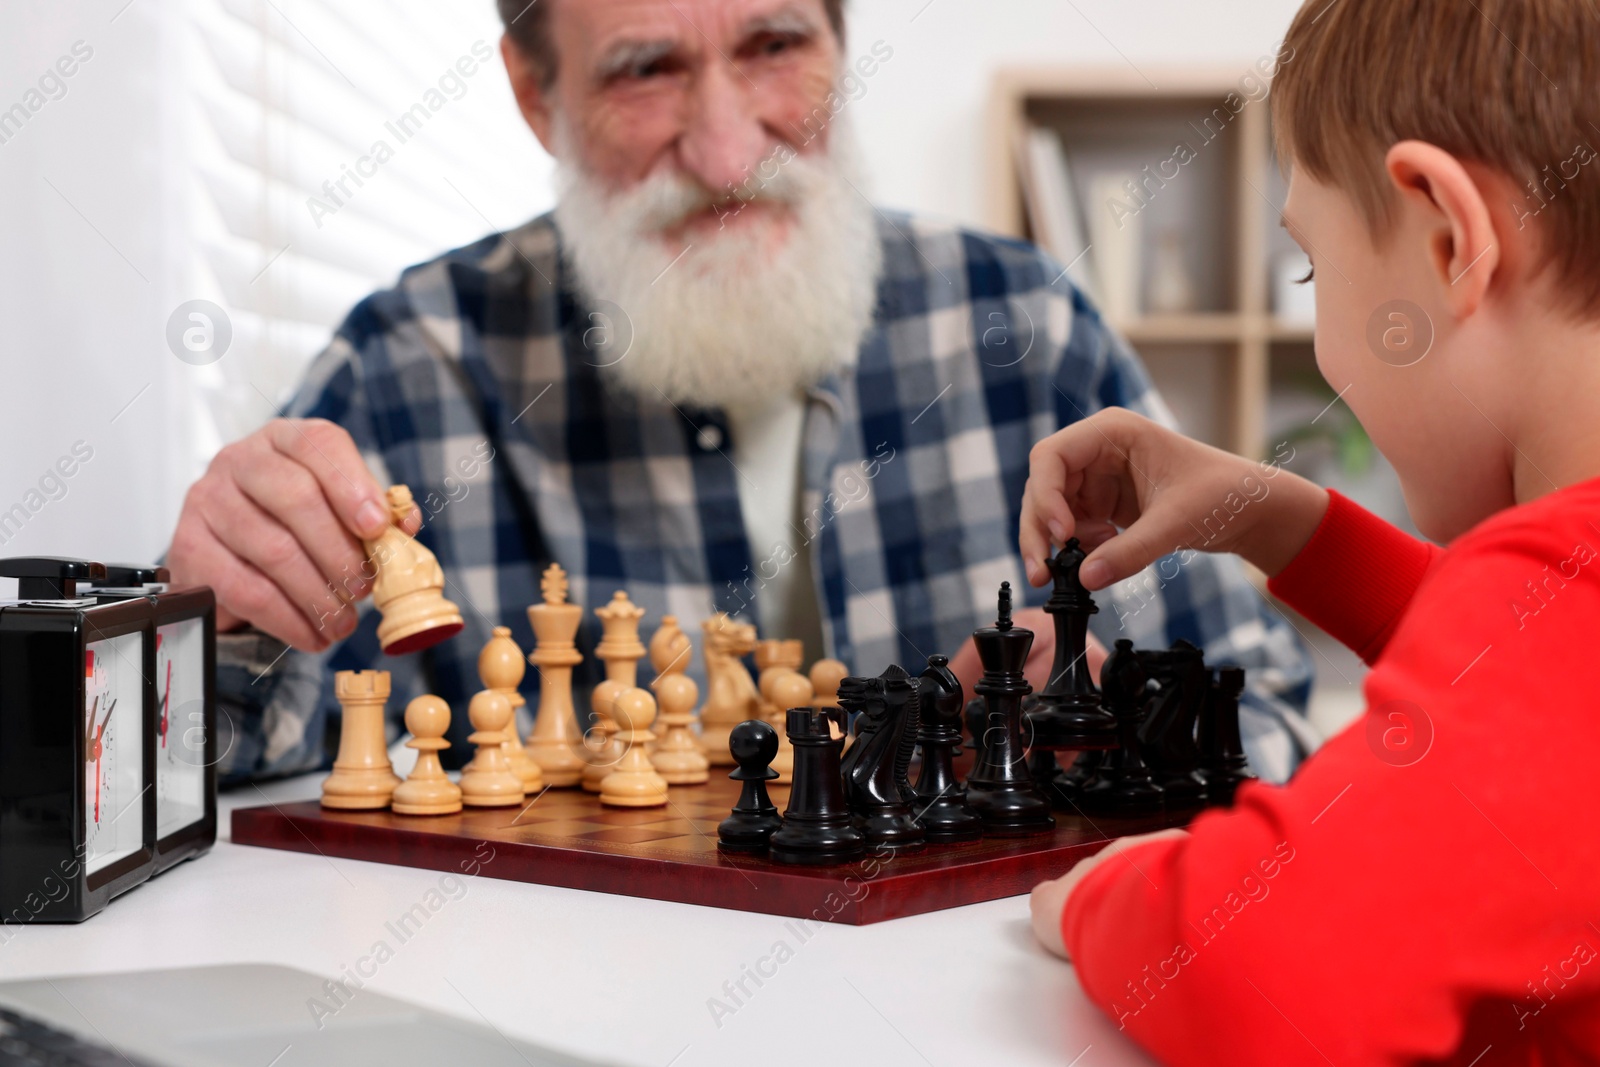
column 969, row 668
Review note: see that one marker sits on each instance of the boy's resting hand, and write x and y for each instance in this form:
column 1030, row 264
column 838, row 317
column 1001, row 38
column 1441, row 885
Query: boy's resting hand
column 1116, row 469
column 1049, row 899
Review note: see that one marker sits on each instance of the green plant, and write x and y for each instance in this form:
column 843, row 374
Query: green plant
column 1338, row 426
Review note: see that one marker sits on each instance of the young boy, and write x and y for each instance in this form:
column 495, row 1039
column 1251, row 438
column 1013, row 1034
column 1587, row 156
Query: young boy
column 1427, row 888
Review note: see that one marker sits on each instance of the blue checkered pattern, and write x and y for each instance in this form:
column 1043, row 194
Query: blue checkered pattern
column 471, row 382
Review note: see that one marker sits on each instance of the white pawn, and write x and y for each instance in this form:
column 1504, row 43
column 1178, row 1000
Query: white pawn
column 677, row 757
column 501, row 667
column 634, row 783
column 488, row 781
column 789, row 690
column 427, row 790
column 826, row 676
column 600, row 745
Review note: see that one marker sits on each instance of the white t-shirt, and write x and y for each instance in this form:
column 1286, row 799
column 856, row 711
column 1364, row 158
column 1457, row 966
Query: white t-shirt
column 767, row 452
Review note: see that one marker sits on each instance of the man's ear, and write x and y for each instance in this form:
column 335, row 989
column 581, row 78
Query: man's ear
column 527, row 82
column 1440, row 200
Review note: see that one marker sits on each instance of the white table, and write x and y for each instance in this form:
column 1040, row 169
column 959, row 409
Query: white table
column 619, row 979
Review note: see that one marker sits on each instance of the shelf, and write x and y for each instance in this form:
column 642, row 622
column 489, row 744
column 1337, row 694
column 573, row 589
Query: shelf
column 1197, row 327
column 1117, row 119
column 1117, row 82
column 1287, row 330
column 1212, row 328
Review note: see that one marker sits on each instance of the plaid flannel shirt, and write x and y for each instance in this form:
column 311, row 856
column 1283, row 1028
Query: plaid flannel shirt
column 475, row 382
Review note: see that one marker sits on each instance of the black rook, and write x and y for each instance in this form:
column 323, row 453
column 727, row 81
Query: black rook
column 816, row 825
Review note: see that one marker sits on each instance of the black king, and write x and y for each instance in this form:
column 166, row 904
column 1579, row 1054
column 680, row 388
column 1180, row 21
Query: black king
column 1000, row 788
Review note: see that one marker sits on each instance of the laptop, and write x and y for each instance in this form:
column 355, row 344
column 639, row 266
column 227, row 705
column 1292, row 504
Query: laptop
column 238, row 1014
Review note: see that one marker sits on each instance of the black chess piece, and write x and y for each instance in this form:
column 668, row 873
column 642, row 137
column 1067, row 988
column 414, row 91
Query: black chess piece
column 1000, row 789
column 1069, row 714
column 977, row 712
column 939, row 801
column 1223, row 764
column 1124, row 784
column 1167, row 734
column 1042, row 765
column 1066, row 790
column 864, row 729
column 753, row 744
column 908, row 717
column 877, row 762
column 816, row 826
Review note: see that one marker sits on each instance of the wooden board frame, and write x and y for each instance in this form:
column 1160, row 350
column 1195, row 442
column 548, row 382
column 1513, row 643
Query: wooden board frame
column 565, row 838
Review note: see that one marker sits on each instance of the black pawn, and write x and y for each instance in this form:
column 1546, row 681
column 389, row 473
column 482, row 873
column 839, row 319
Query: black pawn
column 939, row 798
column 1067, row 789
column 1069, row 713
column 755, row 818
column 1042, row 765
column 816, row 825
column 1223, row 763
column 1000, row 789
column 977, row 715
column 1124, row 785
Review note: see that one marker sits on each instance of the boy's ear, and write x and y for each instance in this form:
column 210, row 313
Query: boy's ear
column 527, row 83
column 1447, row 206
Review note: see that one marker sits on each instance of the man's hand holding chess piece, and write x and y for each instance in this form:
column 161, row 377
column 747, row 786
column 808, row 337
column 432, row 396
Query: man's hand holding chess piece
column 291, row 530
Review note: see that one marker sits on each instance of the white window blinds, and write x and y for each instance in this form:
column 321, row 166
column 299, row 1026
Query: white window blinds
column 327, row 145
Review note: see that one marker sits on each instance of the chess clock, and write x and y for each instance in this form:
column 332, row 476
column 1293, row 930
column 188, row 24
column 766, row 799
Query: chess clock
column 108, row 745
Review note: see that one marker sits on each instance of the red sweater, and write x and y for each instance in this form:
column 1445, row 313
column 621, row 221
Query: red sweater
column 1427, row 888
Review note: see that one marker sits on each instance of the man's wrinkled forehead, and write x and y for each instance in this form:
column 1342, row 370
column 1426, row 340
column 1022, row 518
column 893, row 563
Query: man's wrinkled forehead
column 614, row 35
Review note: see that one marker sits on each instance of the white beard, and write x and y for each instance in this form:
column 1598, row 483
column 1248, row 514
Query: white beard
column 736, row 322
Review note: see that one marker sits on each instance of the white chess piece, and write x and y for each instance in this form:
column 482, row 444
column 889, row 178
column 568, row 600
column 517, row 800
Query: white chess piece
column 488, row 781
column 427, row 790
column 634, row 783
column 677, row 757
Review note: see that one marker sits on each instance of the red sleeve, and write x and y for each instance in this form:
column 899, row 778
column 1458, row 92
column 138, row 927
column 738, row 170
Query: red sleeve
column 1355, row 576
column 1420, row 886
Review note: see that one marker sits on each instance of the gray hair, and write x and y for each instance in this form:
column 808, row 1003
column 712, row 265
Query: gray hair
column 528, row 24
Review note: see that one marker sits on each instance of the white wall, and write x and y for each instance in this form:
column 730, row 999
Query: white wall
column 81, row 225
column 84, row 332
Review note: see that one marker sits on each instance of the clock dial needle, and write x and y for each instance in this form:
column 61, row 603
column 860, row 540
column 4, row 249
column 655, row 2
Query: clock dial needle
column 166, row 697
column 97, row 749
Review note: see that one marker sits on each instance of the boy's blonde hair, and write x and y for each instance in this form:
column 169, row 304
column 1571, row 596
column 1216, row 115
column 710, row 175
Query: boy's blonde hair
column 1510, row 84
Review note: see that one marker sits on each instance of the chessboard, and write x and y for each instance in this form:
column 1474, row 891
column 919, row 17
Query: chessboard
column 1158, row 744
column 566, row 838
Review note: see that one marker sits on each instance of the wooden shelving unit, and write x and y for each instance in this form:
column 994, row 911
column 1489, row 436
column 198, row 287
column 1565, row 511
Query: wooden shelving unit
column 1226, row 194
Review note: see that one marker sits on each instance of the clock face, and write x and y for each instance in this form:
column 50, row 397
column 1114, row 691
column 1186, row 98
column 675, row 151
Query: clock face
column 180, row 726
column 113, row 777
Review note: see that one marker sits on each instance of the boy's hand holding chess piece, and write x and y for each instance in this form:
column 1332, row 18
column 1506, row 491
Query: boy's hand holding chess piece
column 1166, row 493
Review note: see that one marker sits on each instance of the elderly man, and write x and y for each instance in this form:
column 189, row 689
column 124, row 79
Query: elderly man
column 715, row 377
